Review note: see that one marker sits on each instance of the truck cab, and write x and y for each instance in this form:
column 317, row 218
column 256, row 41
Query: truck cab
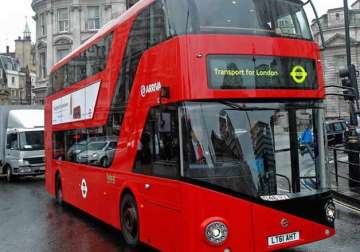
column 22, row 146
column 25, row 152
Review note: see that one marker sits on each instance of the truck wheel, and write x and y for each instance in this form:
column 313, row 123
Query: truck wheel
column 130, row 220
column 9, row 176
column 58, row 191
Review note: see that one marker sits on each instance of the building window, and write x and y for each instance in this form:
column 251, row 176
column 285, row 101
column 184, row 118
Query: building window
column 63, row 20
column 12, row 80
column 337, row 16
column 42, row 24
column 130, row 3
column 340, row 62
column 42, row 65
column 61, row 53
column 93, row 22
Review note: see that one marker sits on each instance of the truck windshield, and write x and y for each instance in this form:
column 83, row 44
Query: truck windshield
column 31, row 140
column 261, row 150
column 285, row 18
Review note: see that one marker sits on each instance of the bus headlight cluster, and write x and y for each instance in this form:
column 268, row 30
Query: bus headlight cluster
column 330, row 211
column 216, row 232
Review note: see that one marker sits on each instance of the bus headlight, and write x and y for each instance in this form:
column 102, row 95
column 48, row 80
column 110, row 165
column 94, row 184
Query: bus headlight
column 216, row 232
column 330, row 211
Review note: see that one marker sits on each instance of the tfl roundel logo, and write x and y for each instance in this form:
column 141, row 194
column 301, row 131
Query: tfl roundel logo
column 299, row 74
column 284, row 223
column 84, row 189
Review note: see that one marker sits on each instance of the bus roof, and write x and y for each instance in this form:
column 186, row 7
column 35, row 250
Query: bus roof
column 110, row 26
column 107, row 28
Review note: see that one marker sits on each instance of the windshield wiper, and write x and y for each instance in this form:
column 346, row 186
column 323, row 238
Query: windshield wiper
column 244, row 107
column 286, row 106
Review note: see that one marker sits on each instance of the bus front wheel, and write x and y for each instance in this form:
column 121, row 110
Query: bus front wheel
column 129, row 220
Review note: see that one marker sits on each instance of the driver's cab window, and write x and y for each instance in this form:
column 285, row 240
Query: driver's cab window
column 12, row 141
column 158, row 149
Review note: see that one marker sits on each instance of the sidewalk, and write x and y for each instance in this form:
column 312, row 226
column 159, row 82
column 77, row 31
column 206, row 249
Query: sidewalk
column 343, row 191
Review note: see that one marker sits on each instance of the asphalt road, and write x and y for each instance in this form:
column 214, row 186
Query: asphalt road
column 30, row 221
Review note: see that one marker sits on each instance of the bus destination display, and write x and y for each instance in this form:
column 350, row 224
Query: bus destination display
column 261, row 72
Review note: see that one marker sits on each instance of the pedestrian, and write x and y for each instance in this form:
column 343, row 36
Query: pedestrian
column 306, row 142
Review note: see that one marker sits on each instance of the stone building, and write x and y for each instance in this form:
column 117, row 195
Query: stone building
column 12, row 79
column 63, row 25
column 25, row 50
column 334, row 55
column 18, row 70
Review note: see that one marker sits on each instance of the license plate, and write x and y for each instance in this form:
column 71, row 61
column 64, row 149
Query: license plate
column 283, row 238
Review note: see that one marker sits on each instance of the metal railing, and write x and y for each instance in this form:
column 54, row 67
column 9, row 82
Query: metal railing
column 337, row 162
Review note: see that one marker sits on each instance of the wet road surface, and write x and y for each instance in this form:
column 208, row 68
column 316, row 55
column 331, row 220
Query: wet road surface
column 30, row 221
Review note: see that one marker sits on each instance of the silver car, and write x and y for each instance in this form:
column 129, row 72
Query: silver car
column 99, row 153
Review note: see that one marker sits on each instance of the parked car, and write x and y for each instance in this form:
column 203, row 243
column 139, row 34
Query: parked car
column 336, row 132
column 98, row 153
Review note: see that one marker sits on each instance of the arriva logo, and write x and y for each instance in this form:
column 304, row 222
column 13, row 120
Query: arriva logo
column 151, row 88
column 299, row 74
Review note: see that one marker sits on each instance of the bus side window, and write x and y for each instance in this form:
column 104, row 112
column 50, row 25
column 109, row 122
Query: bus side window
column 157, row 24
column 158, row 151
column 148, row 30
column 59, row 145
column 137, row 44
column 90, row 62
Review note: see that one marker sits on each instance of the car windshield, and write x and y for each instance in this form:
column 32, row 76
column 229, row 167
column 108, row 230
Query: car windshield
column 262, row 150
column 31, row 140
column 96, row 146
column 283, row 18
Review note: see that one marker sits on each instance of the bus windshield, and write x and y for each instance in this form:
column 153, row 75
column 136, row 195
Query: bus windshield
column 261, row 150
column 284, row 18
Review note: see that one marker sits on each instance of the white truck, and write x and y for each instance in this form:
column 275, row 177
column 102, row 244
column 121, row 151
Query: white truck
column 21, row 141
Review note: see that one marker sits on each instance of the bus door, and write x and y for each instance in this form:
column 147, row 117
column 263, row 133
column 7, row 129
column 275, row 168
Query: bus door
column 158, row 160
column 296, row 146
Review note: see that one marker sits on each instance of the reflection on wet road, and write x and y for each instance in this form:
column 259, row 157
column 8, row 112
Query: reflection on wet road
column 30, row 221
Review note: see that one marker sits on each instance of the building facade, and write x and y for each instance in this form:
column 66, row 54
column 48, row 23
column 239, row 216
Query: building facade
column 334, row 54
column 17, row 71
column 12, row 79
column 62, row 26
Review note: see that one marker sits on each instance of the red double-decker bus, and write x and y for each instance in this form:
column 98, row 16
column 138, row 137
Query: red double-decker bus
column 195, row 125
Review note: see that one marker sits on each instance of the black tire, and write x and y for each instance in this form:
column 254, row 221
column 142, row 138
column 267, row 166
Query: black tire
column 59, row 197
column 104, row 162
column 9, row 176
column 129, row 219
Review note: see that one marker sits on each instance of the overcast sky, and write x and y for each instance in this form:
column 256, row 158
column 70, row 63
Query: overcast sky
column 13, row 13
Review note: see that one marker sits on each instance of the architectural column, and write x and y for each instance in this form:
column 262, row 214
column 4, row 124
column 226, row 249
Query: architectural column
column 107, row 12
column 51, row 29
column 75, row 25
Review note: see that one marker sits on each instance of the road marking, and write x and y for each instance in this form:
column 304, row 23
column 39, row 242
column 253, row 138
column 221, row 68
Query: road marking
column 347, row 206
